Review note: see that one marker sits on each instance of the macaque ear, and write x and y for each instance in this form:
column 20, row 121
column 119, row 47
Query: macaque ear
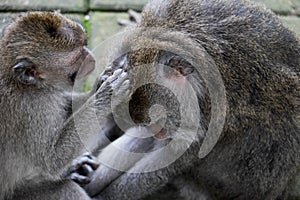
column 26, row 72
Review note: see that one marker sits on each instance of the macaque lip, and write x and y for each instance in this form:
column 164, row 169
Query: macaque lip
column 86, row 63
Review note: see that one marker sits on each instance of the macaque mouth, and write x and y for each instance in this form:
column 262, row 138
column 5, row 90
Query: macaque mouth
column 85, row 63
column 158, row 131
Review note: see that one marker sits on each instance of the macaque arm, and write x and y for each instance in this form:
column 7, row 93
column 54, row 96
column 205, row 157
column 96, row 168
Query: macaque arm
column 128, row 185
column 80, row 129
column 143, row 171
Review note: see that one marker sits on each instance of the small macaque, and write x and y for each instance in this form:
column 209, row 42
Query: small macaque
column 41, row 55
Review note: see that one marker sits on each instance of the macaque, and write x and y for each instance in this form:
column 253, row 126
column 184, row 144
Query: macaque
column 41, row 55
column 256, row 155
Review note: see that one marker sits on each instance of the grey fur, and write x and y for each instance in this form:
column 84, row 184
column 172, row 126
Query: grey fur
column 257, row 154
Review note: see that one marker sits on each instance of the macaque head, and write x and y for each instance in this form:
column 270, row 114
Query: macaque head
column 45, row 49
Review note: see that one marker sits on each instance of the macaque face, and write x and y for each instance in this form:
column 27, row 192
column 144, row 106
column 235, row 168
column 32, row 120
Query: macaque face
column 159, row 78
column 47, row 49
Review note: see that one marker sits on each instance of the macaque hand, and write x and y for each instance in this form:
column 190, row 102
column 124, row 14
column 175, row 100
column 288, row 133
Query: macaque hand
column 116, row 86
column 82, row 169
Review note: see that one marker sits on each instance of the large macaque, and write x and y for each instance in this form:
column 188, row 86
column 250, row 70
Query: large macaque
column 257, row 153
column 41, row 54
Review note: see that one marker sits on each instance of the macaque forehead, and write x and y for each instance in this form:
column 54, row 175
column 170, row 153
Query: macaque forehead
column 159, row 57
column 56, row 30
column 142, row 56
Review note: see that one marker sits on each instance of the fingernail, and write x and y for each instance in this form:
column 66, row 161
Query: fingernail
column 118, row 71
column 126, row 83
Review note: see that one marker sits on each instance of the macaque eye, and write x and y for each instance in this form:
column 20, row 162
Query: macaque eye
column 175, row 63
column 184, row 70
column 52, row 31
column 180, row 67
column 66, row 33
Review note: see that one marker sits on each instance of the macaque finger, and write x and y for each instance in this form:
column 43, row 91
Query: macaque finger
column 81, row 180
